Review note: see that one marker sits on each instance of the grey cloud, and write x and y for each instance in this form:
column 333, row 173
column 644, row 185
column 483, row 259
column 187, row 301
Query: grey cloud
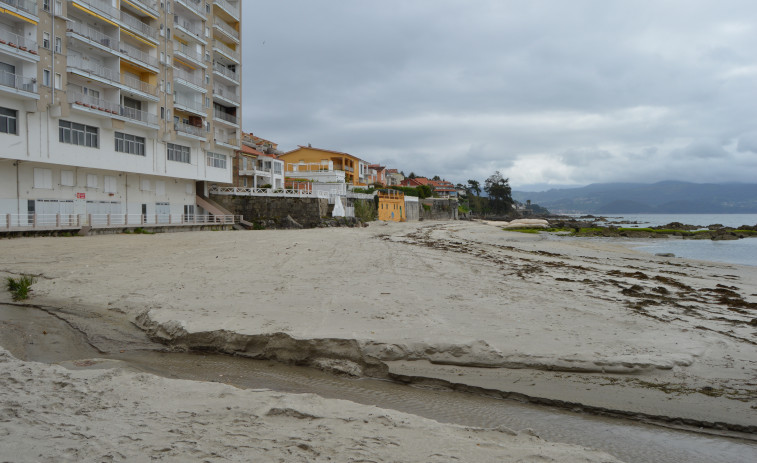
column 461, row 88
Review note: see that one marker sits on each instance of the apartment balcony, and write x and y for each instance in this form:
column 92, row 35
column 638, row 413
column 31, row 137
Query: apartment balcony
column 188, row 28
column 226, row 51
column 228, row 140
column 111, row 44
column 190, row 131
column 226, row 73
column 189, row 53
column 24, row 8
column 19, row 85
column 225, row 29
column 146, row 6
column 195, row 6
column 107, row 75
column 227, row 94
column 231, row 9
column 137, row 26
column 111, row 109
column 18, row 46
column 192, row 80
column 225, row 118
column 189, row 105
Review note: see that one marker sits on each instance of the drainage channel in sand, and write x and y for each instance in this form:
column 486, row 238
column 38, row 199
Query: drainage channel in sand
column 21, row 332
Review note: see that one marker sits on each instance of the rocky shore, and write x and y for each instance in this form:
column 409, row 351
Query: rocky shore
column 573, row 323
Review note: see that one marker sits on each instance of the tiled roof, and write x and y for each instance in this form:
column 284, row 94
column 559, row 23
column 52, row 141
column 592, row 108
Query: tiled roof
column 321, row 149
column 248, row 150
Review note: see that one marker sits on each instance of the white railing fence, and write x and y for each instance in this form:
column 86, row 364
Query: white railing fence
column 34, row 221
column 274, row 192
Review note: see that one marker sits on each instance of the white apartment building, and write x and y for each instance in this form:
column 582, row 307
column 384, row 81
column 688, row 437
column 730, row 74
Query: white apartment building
column 117, row 106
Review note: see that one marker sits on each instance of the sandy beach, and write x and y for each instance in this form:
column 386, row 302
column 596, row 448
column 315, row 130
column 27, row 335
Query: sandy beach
column 581, row 323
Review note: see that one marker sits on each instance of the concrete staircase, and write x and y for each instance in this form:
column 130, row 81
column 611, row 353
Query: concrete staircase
column 216, row 209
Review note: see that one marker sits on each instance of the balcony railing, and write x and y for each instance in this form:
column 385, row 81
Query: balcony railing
column 197, row 131
column 25, row 84
column 188, row 103
column 280, row 192
column 137, row 54
column 84, row 31
column 23, row 5
column 225, row 117
column 226, row 50
column 136, row 25
column 193, row 5
column 223, row 70
column 18, row 42
column 232, row 10
column 188, row 77
column 110, row 107
column 228, row 30
column 109, row 74
column 102, row 7
column 188, row 26
column 190, row 53
column 226, row 138
column 148, row 5
column 227, row 93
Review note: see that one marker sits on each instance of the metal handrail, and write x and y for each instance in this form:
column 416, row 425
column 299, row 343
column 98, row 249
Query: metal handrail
column 226, row 92
column 219, row 23
column 225, row 49
column 17, row 41
column 229, row 8
column 225, row 117
column 233, row 75
column 134, row 24
column 99, row 104
column 198, row 131
column 194, row 105
column 26, row 84
column 193, row 5
column 31, row 221
column 188, row 26
column 24, row 5
column 187, row 77
column 182, row 49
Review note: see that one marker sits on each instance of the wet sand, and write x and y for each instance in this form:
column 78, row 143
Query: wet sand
column 578, row 321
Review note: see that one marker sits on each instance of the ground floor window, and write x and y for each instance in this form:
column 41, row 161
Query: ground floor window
column 216, row 160
column 130, row 144
column 8, row 121
column 78, row 134
column 178, row 153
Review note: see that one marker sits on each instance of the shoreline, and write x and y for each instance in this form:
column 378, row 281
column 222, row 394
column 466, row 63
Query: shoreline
column 681, row 352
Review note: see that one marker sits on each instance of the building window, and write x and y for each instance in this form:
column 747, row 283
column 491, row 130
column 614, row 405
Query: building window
column 67, row 178
column 78, row 134
column 131, row 144
column 43, row 178
column 46, row 40
column 58, row 81
column 46, row 5
column 145, row 185
column 216, row 160
column 179, row 153
column 8, row 121
column 277, row 167
column 91, row 181
column 109, row 184
column 46, row 77
column 58, row 45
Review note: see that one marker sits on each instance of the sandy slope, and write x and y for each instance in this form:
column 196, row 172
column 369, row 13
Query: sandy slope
column 50, row 414
column 584, row 321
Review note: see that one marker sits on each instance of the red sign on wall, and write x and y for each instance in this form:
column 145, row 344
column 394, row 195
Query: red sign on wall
column 81, row 195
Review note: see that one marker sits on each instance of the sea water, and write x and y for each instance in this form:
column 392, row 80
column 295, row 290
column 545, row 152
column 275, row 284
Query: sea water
column 743, row 251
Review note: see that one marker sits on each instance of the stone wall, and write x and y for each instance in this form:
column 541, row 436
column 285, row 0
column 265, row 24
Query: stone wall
column 438, row 209
column 305, row 211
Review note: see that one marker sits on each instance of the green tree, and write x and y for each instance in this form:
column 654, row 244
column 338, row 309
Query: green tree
column 436, row 178
column 500, row 193
column 474, row 187
column 411, row 175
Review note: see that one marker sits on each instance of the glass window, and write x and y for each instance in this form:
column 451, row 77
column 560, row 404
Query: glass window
column 78, row 134
column 216, row 160
column 8, row 121
column 132, row 144
column 178, row 153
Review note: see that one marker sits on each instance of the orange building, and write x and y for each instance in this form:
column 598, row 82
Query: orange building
column 391, row 206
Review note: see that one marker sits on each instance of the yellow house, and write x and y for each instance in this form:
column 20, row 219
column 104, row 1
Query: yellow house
column 308, row 159
column 391, row 206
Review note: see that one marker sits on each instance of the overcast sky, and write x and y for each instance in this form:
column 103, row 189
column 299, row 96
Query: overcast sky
column 549, row 92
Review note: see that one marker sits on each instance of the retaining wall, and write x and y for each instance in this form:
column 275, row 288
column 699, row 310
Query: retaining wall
column 308, row 212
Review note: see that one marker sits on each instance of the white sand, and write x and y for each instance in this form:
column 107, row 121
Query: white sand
column 564, row 313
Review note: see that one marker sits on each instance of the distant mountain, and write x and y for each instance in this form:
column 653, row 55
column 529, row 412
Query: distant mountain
column 668, row 197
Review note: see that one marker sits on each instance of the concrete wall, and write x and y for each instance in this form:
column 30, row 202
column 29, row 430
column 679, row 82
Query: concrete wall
column 308, row 212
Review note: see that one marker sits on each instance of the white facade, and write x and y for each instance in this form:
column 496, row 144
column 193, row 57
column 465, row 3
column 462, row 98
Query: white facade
column 120, row 107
